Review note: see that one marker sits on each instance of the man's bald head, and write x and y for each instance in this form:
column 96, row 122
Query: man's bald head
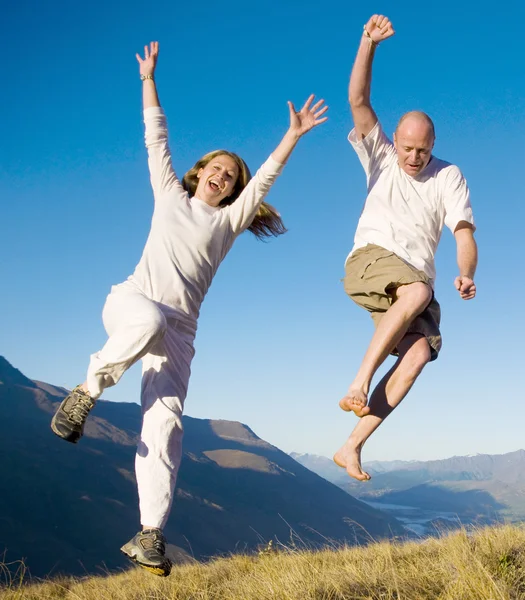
column 416, row 118
column 414, row 139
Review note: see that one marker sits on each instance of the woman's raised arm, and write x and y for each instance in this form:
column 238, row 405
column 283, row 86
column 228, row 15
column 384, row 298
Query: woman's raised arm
column 244, row 209
column 147, row 67
column 163, row 177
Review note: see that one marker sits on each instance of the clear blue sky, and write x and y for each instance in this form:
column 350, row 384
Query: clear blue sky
column 278, row 339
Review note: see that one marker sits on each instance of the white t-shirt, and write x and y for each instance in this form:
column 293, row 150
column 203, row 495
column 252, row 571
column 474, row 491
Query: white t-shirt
column 406, row 214
column 188, row 238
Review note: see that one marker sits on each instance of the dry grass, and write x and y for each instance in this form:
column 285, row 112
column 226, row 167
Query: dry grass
column 489, row 565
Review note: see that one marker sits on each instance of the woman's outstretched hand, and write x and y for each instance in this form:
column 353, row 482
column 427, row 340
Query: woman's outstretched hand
column 308, row 117
column 300, row 123
column 149, row 62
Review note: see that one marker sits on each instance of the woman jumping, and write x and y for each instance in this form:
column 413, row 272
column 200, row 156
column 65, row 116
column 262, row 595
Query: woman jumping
column 153, row 314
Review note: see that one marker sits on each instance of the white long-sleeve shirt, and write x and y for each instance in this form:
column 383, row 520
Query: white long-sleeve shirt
column 188, row 238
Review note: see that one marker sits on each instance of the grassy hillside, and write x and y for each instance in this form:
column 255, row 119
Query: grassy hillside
column 489, row 565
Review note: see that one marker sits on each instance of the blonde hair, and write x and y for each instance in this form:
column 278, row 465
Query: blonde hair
column 267, row 221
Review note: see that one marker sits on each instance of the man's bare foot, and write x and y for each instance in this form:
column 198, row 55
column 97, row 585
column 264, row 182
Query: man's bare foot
column 356, row 401
column 349, row 457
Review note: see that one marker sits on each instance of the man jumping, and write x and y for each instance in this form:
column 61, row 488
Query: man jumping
column 390, row 271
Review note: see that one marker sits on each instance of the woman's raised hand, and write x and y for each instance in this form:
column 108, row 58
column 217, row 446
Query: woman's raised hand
column 149, row 62
column 308, row 117
column 300, row 123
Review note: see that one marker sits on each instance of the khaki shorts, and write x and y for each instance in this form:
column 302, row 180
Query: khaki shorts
column 373, row 273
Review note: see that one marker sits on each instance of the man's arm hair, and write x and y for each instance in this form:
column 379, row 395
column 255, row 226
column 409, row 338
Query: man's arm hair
column 467, row 249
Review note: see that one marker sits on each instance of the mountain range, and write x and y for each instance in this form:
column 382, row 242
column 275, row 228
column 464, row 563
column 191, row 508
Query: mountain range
column 479, row 489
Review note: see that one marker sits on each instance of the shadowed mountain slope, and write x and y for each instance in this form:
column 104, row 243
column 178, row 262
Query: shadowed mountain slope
column 68, row 508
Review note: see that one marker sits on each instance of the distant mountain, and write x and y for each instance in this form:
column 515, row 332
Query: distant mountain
column 323, row 466
column 384, row 466
column 470, row 489
column 68, row 508
column 326, row 468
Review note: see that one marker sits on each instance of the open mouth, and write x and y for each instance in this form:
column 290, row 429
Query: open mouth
column 215, row 186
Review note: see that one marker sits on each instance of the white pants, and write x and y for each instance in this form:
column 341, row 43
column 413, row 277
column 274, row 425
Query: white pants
column 139, row 328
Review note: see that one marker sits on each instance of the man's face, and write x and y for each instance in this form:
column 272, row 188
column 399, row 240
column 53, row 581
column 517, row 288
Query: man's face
column 413, row 142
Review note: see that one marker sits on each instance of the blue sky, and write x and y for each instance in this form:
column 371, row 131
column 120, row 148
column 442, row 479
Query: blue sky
column 278, row 340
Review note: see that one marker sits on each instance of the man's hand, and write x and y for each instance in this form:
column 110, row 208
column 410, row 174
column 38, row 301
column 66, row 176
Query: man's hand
column 465, row 286
column 379, row 28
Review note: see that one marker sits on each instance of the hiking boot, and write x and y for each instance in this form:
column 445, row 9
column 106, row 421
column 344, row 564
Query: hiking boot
column 68, row 421
column 147, row 549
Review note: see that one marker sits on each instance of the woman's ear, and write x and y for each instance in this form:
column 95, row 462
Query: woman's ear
column 199, row 173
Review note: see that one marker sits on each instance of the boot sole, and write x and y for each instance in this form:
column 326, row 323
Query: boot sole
column 72, row 438
column 162, row 571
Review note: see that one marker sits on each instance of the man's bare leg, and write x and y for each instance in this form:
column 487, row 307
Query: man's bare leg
column 410, row 301
column 414, row 354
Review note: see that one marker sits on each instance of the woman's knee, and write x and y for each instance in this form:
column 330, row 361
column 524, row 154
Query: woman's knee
column 133, row 313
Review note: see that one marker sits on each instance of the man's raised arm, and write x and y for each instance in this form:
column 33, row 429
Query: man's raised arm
column 377, row 29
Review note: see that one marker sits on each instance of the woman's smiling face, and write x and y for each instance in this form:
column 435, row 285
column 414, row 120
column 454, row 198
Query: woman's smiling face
column 217, row 179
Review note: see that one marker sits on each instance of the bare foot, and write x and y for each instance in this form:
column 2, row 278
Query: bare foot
column 349, row 457
column 356, row 401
